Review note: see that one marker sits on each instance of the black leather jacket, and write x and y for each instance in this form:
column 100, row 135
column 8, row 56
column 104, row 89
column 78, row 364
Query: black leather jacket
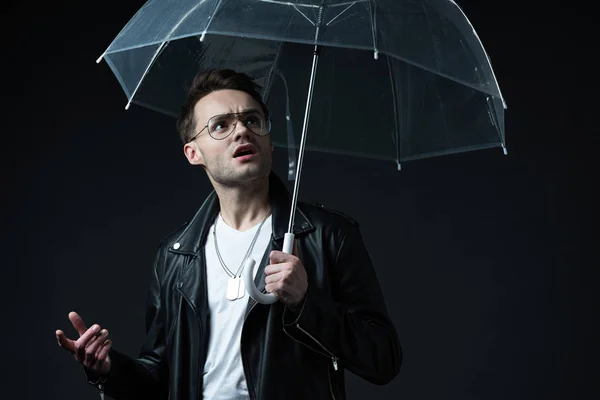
column 342, row 323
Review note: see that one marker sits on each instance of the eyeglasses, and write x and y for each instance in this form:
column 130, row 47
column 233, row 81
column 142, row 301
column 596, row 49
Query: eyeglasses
column 222, row 125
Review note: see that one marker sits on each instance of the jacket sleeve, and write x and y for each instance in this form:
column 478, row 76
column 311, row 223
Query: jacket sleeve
column 145, row 376
column 352, row 325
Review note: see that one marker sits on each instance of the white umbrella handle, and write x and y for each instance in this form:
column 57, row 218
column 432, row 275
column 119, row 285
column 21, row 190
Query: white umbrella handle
column 248, row 274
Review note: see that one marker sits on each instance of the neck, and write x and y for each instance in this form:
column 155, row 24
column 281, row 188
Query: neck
column 245, row 206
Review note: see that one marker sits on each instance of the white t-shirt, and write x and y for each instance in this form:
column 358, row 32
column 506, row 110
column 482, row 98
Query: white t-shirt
column 224, row 377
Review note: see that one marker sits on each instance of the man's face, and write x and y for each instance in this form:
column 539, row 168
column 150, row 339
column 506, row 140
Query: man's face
column 221, row 158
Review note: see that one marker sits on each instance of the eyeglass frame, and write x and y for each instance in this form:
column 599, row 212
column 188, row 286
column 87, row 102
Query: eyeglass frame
column 236, row 115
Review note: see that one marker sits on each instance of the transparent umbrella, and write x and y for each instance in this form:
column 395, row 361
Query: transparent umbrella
column 397, row 80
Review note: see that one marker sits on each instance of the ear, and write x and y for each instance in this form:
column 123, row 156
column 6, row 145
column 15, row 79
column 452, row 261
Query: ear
column 193, row 153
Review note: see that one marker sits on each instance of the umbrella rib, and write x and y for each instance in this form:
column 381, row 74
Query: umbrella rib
column 209, row 21
column 268, row 86
column 348, row 2
column 288, row 3
column 120, row 33
column 397, row 141
column 374, row 29
column 343, row 11
column 484, row 52
column 162, row 46
column 150, row 64
column 295, row 5
column 304, row 15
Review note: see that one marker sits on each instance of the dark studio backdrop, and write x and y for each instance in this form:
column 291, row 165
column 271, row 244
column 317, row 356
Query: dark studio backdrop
column 486, row 261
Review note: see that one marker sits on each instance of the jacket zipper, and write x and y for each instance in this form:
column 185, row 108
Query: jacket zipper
column 334, row 359
column 191, row 305
column 248, row 381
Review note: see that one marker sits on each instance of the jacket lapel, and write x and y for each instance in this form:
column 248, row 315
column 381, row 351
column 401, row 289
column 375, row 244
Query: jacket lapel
column 192, row 273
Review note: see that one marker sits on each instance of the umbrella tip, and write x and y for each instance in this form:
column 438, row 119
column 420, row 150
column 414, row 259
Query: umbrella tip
column 99, row 59
column 399, row 166
column 376, row 54
column 504, row 149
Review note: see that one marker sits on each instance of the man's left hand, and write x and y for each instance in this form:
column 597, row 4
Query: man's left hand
column 286, row 278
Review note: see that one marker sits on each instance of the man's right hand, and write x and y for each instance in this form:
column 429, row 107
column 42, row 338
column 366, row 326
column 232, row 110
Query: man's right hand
column 91, row 349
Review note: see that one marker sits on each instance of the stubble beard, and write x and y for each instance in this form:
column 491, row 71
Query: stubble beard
column 226, row 173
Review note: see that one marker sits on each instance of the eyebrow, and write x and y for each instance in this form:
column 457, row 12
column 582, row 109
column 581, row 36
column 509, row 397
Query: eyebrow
column 249, row 110
column 245, row 111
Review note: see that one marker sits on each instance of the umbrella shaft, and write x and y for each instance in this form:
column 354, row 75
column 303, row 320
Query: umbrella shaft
column 311, row 86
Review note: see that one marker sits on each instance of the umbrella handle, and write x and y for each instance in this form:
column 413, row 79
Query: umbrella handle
column 248, row 273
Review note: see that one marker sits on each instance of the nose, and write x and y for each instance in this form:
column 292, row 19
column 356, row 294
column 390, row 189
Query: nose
column 240, row 131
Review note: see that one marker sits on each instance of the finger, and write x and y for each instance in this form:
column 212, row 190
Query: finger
column 77, row 322
column 84, row 341
column 272, row 269
column 278, row 257
column 273, row 288
column 102, row 351
column 64, row 342
column 102, row 355
column 82, row 354
column 93, row 346
column 273, row 278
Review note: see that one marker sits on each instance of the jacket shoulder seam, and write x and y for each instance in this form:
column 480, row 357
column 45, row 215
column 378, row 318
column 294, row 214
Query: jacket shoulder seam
column 345, row 216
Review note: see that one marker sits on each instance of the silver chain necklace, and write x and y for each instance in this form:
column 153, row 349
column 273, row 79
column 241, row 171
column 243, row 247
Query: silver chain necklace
column 235, row 285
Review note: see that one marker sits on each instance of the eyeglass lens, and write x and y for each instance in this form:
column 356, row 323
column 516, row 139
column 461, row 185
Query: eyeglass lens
column 220, row 126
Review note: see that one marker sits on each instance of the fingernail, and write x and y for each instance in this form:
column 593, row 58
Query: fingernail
column 95, row 328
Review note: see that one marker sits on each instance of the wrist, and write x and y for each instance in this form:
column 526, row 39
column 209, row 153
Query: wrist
column 295, row 309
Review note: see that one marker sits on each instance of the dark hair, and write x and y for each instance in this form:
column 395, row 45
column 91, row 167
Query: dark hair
column 207, row 82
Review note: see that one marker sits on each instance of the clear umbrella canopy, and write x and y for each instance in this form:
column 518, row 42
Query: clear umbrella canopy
column 396, row 79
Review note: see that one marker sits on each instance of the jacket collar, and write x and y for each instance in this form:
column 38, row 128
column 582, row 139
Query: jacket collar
column 193, row 237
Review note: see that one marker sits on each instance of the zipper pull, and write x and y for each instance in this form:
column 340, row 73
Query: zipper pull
column 334, row 360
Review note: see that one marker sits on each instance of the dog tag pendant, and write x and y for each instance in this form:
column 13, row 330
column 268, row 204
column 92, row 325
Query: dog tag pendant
column 233, row 288
column 242, row 288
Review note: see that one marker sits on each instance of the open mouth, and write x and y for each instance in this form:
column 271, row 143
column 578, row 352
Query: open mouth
column 244, row 151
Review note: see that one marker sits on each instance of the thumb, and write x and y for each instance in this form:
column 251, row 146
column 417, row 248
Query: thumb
column 64, row 342
column 278, row 256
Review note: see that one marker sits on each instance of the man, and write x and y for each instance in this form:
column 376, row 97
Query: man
column 205, row 337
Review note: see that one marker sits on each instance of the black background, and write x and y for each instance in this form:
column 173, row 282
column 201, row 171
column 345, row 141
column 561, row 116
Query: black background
column 487, row 261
